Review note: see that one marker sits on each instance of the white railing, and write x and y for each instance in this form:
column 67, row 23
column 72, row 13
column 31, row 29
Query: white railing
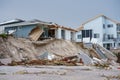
column 106, row 39
column 114, row 39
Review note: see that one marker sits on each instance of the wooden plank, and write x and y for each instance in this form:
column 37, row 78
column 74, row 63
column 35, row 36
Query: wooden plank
column 35, row 34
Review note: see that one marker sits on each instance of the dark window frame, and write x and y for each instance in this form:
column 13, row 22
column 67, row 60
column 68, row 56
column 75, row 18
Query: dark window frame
column 110, row 25
column 96, row 35
column 103, row 26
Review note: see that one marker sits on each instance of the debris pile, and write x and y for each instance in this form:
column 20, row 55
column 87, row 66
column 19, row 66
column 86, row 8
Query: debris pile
column 1, row 63
column 111, row 77
column 44, row 62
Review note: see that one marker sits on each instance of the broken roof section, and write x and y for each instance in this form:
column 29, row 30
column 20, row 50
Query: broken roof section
column 23, row 23
column 67, row 28
column 19, row 22
column 12, row 22
column 38, row 30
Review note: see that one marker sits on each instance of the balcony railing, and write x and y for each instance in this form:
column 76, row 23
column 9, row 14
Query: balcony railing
column 106, row 39
column 111, row 39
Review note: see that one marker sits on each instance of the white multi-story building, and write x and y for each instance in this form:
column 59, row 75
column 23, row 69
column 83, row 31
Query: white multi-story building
column 101, row 30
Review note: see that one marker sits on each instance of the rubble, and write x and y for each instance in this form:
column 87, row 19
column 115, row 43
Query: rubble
column 47, row 55
column 5, row 61
column 22, row 72
column 44, row 62
column 1, row 63
column 115, row 77
column 85, row 58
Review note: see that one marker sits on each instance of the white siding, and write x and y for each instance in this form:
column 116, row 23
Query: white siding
column 73, row 37
column 1, row 29
column 111, row 30
column 97, row 26
column 67, row 35
column 59, row 33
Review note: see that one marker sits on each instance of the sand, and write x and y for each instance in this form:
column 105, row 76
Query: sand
column 56, row 73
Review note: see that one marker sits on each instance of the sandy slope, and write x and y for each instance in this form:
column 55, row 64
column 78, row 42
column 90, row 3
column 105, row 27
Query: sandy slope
column 21, row 48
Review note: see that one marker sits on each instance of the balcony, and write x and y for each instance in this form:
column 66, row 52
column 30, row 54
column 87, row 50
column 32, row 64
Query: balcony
column 111, row 39
column 106, row 39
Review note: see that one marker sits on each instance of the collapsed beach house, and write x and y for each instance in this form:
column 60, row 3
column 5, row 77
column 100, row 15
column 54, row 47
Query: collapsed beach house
column 37, row 30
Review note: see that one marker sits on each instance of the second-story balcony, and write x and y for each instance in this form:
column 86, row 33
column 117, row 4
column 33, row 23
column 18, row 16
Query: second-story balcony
column 107, row 39
column 111, row 39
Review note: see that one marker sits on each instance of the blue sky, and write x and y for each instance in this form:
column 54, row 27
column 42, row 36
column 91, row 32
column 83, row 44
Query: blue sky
column 69, row 13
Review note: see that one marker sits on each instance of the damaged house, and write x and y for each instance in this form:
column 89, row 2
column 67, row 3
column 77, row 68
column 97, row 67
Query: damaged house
column 38, row 30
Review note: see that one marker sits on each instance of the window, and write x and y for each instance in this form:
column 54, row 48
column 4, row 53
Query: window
column 110, row 25
column 19, row 27
column 103, row 26
column 110, row 36
column 83, row 33
column 119, row 44
column 118, row 28
column 86, row 33
column 96, row 35
column 79, row 36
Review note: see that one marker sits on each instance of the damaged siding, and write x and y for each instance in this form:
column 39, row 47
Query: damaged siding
column 21, row 31
column 59, row 33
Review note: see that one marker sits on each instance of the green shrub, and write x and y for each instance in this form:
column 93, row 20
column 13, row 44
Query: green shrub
column 3, row 35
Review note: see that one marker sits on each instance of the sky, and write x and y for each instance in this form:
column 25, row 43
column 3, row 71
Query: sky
column 69, row 13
